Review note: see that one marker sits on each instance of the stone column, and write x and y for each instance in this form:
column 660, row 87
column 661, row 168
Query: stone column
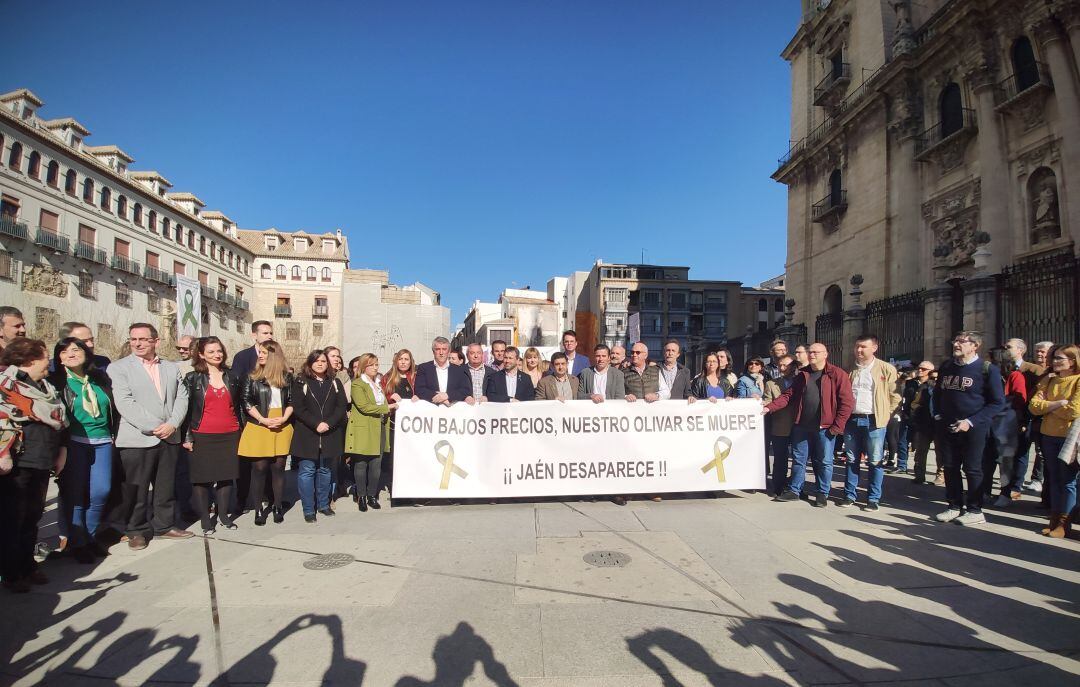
column 1060, row 60
column 1070, row 19
column 905, row 235
column 980, row 308
column 854, row 323
column 993, row 166
column 937, row 322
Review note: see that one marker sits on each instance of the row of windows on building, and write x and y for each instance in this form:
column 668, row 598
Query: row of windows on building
column 104, row 200
column 281, row 273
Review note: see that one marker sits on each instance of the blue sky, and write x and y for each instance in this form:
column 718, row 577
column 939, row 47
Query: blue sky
column 470, row 145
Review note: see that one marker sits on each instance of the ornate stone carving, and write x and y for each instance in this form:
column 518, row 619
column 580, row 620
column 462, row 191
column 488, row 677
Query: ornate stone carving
column 1045, row 221
column 1048, row 151
column 951, row 154
column 904, row 34
column 953, row 219
column 45, row 279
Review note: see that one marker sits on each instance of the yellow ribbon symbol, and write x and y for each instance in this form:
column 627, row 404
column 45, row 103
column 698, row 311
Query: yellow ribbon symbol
column 446, row 459
column 721, row 450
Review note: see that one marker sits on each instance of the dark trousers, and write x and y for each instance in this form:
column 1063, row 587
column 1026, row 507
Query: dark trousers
column 366, row 472
column 962, row 451
column 22, row 501
column 922, row 439
column 144, row 467
column 781, row 448
column 182, row 480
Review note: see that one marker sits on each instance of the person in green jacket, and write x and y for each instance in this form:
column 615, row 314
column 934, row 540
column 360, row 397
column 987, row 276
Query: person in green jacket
column 368, row 432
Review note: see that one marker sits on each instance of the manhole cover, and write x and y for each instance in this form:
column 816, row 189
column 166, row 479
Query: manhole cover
column 329, row 561
column 607, row 559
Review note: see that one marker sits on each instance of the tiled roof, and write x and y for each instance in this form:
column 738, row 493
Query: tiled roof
column 253, row 240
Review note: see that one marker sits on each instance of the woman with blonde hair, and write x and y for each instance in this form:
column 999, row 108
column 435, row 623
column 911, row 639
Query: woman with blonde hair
column 267, row 438
column 397, row 384
column 1057, row 402
column 368, row 431
column 533, row 365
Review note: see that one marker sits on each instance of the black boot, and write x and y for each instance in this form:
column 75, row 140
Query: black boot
column 373, row 501
column 279, row 515
column 361, row 503
column 260, row 517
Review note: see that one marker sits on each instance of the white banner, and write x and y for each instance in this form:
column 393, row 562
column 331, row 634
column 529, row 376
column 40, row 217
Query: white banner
column 188, row 306
column 548, row 448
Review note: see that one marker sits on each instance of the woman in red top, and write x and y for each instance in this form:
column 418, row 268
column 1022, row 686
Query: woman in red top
column 212, row 433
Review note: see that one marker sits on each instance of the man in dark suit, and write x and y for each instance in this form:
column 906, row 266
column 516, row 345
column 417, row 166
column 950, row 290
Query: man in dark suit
column 575, row 362
column 477, row 371
column 511, row 384
column 439, row 382
column 244, row 361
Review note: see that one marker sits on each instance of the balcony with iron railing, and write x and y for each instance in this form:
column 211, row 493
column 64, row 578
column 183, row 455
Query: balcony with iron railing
column 838, row 77
column 47, row 238
column 241, row 303
column 283, row 310
column 88, row 251
column 10, row 226
column 938, row 135
column 829, row 207
column 158, row 275
column 1017, row 87
column 222, row 296
column 125, row 264
column 320, row 311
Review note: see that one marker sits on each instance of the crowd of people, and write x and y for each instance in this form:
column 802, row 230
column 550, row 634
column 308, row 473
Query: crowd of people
column 140, row 443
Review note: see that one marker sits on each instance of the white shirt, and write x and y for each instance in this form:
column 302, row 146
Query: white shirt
column 863, row 388
column 511, row 383
column 443, row 375
column 600, row 382
column 570, row 363
column 665, row 384
column 376, row 388
column 275, row 397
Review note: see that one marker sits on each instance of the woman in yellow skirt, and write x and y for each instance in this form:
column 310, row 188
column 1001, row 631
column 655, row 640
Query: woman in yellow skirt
column 268, row 434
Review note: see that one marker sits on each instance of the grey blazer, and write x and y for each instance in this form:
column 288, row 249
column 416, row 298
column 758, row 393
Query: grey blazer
column 140, row 405
column 616, row 384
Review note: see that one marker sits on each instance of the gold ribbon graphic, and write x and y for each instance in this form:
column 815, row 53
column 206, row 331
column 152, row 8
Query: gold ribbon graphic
column 721, row 450
column 446, row 459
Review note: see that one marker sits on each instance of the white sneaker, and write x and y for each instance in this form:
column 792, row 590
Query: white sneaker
column 948, row 515
column 1002, row 501
column 969, row 519
column 1035, row 486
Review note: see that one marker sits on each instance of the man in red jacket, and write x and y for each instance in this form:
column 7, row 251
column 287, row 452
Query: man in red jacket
column 823, row 403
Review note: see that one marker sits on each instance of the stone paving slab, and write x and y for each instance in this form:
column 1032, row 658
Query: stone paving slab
column 735, row 590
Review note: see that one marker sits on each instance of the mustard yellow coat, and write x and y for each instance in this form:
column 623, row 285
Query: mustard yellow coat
column 362, row 436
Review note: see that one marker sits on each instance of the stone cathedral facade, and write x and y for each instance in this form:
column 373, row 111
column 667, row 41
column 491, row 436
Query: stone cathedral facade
column 933, row 172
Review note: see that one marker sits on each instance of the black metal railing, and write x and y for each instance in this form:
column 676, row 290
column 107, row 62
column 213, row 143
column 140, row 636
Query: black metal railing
column 282, row 311
column 125, row 264
column 222, row 296
column 13, row 227
column 898, row 323
column 838, row 75
column 1039, row 300
column 9, row 267
column 241, row 303
column 46, row 238
column 87, row 288
column 944, row 131
column 320, row 311
column 830, row 205
column 158, row 275
column 88, row 251
column 829, row 330
column 123, row 298
column 1033, row 76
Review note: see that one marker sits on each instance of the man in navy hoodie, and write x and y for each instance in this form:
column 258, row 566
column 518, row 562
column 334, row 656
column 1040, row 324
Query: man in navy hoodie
column 969, row 393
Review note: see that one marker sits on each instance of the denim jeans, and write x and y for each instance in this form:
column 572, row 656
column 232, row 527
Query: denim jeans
column 818, row 447
column 1062, row 476
column 781, row 448
column 84, row 488
column 313, row 483
column 860, row 436
column 903, row 445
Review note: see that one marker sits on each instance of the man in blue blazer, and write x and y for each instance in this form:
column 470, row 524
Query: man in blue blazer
column 439, row 382
column 510, row 384
column 576, row 363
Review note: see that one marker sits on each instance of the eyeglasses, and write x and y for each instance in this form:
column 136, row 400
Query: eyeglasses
column 140, row 340
column 637, row 352
column 813, row 352
column 926, row 369
column 183, row 348
column 962, row 341
column 1062, row 358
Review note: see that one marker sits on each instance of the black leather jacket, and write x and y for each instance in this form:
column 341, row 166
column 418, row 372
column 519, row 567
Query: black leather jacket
column 699, row 387
column 257, row 395
column 59, row 381
column 197, row 383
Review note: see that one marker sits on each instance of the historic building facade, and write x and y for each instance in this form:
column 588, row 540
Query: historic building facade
column 84, row 237
column 298, row 279
column 383, row 318
column 934, row 146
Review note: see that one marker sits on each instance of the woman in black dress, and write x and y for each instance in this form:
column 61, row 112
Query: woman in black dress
column 212, row 434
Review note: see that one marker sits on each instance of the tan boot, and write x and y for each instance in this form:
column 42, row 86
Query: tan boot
column 1061, row 529
column 1054, row 517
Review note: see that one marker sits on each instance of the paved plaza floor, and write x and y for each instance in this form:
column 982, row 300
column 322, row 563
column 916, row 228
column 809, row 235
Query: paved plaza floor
column 690, row 591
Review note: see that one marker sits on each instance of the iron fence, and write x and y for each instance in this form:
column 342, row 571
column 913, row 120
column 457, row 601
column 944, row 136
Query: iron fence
column 1039, row 300
column 898, row 322
column 829, row 330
